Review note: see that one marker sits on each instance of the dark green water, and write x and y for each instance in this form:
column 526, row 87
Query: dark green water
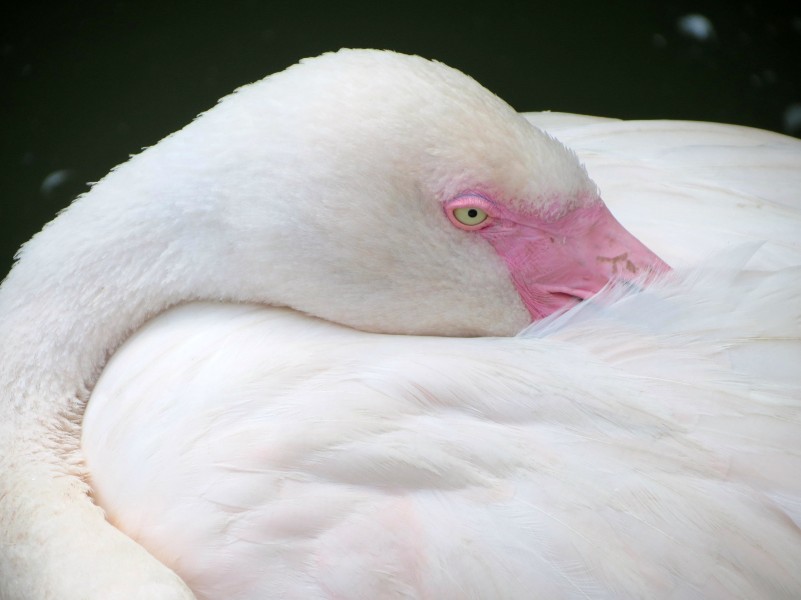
column 85, row 84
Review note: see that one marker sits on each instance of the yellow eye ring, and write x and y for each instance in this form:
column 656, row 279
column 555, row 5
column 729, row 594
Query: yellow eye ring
column 469, row 215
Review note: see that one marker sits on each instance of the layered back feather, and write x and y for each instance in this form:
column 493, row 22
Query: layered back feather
column 645, row 444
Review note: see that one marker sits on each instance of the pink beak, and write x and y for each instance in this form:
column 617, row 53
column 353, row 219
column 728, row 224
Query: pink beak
column 555, row 264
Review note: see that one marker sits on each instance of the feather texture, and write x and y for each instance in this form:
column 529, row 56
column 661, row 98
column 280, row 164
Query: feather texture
column 266, row 430
column 644, row 444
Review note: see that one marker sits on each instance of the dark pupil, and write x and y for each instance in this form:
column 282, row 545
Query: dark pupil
column 472, row 213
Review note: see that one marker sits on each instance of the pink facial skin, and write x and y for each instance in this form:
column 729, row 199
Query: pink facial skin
column 557, row 262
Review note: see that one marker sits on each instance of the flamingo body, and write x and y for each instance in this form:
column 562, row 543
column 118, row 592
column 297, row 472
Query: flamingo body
column 307, row 296
column 643, row 444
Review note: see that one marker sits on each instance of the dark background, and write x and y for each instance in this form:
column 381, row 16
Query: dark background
column 85, row 84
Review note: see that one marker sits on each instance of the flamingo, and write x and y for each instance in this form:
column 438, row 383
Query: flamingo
column 374, row 334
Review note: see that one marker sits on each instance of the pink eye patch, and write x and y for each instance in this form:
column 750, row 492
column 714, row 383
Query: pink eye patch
column 555, row 263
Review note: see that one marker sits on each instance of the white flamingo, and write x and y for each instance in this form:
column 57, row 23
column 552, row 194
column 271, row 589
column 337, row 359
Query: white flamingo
column 284, row 441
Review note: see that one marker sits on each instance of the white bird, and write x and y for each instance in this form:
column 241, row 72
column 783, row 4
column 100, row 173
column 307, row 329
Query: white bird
column 640, row 445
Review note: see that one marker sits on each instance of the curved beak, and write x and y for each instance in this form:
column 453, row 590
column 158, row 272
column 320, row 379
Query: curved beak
column 556, row 264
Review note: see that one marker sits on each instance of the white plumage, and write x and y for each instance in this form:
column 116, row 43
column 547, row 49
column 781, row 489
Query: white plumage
column 643, row 444
column 640, row 446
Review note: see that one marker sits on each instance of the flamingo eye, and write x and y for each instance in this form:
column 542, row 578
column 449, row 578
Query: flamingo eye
column 470, row 212
column 469, row 215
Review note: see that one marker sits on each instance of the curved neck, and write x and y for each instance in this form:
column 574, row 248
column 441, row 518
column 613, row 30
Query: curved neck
column 80, row 287
column 141, row 240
